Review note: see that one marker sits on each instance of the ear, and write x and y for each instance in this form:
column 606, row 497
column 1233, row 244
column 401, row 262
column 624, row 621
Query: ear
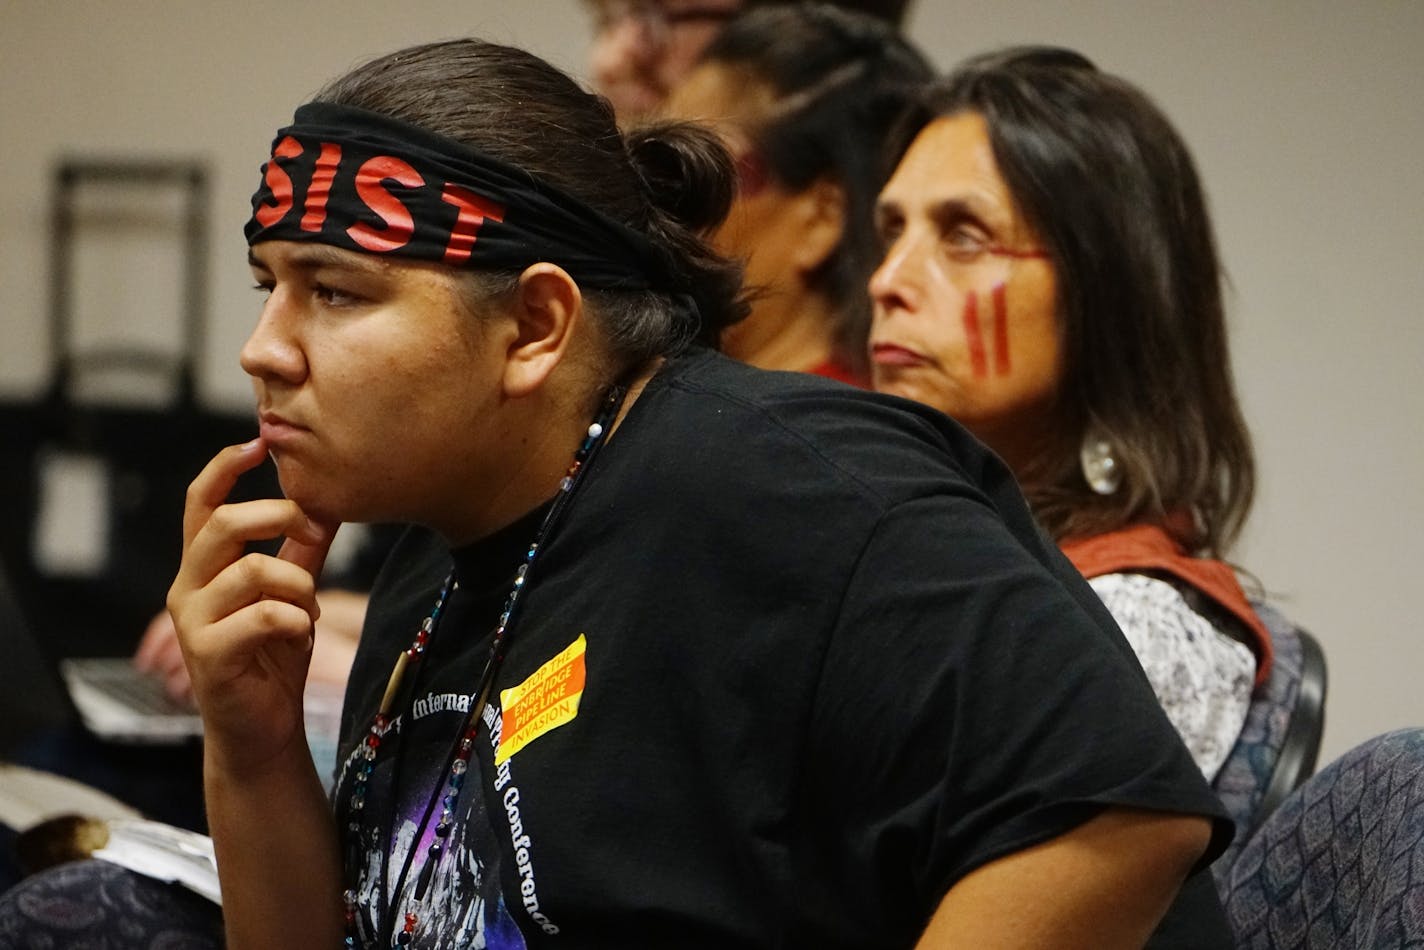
column 548, row 308
column 822, row 209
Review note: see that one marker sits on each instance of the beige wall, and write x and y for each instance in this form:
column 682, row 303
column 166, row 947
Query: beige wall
column 1303, row 115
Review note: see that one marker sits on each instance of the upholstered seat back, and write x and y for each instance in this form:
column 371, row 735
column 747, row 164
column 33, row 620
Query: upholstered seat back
column 1279, row 743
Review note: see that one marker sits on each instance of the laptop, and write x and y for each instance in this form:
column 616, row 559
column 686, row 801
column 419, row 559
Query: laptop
column 119, row 703
column 115, row 701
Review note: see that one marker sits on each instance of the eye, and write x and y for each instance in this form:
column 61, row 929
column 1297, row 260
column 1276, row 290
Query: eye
column 334, row 296
column 965, row 243
column 262, row 281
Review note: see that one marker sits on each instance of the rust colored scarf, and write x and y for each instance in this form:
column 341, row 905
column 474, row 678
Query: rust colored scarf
column 1147, row 547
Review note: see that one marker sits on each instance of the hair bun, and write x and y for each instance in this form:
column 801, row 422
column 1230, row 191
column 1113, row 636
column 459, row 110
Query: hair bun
column 859, row 36
column 687, row 172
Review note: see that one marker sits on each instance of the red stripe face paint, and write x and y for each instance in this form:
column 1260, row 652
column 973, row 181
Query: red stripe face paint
column 1002, row 363
column 972, row 336
column 999, row 334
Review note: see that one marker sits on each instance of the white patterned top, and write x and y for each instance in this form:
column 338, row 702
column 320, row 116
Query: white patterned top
column 1202, row 676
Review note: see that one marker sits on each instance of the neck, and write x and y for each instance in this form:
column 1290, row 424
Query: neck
column 535, row 443
column 1020, row 441
column 791, row 331
column 637, row 382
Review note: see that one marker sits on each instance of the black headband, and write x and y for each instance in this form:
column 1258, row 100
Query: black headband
column 365, row 182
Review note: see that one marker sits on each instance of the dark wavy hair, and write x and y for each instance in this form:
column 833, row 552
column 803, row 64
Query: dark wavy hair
column 671, row 181
column 840, row 79
column 1111, row 189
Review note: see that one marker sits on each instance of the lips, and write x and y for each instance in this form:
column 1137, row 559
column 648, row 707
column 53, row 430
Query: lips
column 277, row 430
column 893, row 354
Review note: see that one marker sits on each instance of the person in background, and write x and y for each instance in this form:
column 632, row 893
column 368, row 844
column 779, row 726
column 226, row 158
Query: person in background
column 682, row 653
column 803, row 95
column 1050, row 281
column 642, row 48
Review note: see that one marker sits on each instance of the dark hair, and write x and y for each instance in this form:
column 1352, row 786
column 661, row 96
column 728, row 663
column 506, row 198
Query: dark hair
column 891, row 11
column 670, row 181
column 1109, row 186
column 840, row 80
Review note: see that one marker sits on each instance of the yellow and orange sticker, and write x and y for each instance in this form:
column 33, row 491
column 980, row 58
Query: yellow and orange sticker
column 548, row 699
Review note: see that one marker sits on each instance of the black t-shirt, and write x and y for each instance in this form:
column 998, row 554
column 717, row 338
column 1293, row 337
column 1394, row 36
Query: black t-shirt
column 794, row 661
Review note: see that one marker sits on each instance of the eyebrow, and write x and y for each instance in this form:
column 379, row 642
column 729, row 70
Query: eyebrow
column 314, row 256
column 955, row 209
column 947, row 209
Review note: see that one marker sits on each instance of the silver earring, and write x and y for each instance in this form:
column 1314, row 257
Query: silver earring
column 1100, row 470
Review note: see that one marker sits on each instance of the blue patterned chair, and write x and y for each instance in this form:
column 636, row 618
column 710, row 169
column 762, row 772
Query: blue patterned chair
column 1281, row 737
column 100, row 906
column 1340, row 864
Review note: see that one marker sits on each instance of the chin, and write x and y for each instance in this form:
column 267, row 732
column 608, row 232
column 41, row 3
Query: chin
column 317, row 507
column 317, row 499
column 895, row 384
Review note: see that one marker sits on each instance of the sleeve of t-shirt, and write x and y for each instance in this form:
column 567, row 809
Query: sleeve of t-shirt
column 969, row 707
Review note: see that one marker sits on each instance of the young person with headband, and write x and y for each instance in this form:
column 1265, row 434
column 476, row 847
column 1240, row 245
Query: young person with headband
column 626, row 683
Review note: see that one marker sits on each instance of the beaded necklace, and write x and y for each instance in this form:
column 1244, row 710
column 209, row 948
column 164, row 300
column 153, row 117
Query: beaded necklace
column 459, row 756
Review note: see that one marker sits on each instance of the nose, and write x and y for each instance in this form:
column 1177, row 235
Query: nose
column 895, row 284
column 273, row 352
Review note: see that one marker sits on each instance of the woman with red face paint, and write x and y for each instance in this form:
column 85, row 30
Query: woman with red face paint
column 1050, row 280
column 804, row 96
column 677, row 653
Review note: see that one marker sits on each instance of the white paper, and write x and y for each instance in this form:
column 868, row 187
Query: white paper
column 164, row 853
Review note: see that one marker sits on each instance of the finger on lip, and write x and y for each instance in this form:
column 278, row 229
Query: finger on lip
column 219, row 475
